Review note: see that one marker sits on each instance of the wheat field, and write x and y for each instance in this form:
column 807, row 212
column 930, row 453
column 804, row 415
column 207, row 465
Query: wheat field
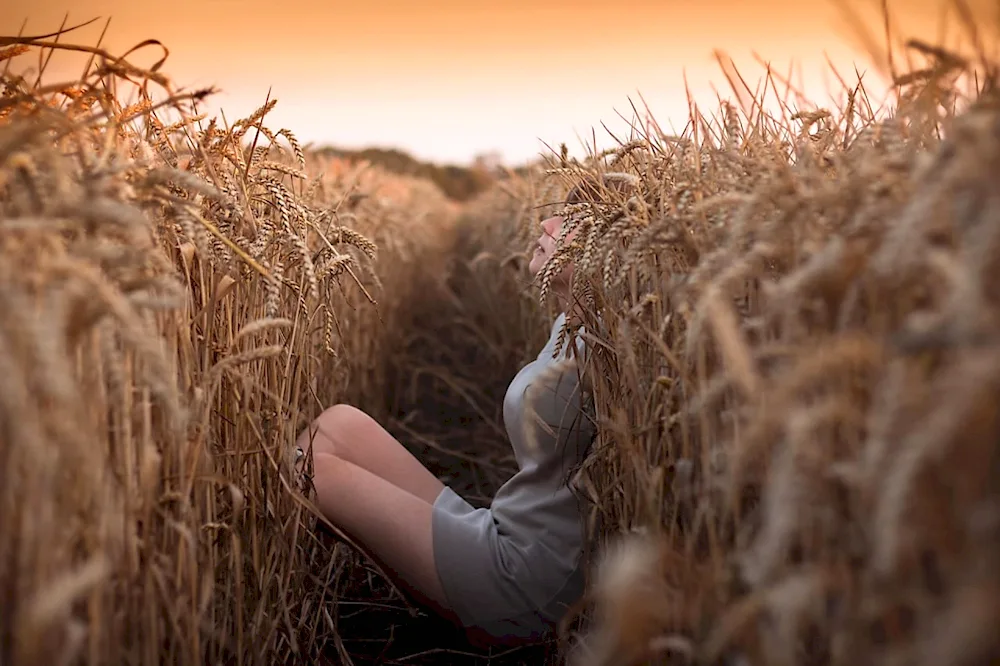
column 794, row 376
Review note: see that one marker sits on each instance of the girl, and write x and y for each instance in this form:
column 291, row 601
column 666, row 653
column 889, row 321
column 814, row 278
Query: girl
column 508, row 572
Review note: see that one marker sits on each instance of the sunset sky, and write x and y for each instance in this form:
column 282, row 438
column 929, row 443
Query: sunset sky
column 449, row 79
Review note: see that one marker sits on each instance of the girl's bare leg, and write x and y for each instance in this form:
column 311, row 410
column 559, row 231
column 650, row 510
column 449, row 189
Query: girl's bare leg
column 393, row 525
column 352, row 435
column 372, row 488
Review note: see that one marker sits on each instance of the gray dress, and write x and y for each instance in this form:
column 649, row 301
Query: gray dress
column 513, row 569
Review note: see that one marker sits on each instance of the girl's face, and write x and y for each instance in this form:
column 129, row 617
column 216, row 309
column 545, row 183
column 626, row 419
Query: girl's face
column 546, row 244
column 545, row 247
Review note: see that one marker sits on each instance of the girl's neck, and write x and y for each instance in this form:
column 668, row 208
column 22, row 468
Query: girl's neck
column 565, row 303
column 562, row 299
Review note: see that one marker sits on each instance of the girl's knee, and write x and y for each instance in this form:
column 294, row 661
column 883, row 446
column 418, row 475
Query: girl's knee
column 331, row 428
column 326, row 464
column 327, row 476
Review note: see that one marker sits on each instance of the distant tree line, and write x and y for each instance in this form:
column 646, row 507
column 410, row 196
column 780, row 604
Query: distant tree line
column 460, row 183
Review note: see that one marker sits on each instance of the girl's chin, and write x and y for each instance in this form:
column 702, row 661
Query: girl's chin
column 537, row 261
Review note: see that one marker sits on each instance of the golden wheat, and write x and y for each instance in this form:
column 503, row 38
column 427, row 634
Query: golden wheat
column 176, row 298
column 794, row 382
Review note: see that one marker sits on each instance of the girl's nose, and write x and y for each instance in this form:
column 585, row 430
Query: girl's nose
column 551, row 225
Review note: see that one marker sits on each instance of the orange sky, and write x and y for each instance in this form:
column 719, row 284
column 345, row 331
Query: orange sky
column 447, row 79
